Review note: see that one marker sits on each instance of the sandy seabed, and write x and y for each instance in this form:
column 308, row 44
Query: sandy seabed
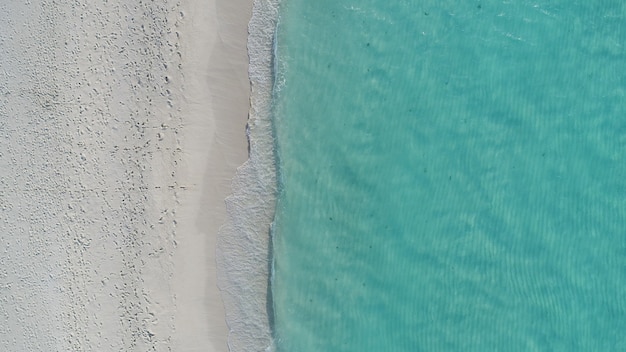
column 121, row 125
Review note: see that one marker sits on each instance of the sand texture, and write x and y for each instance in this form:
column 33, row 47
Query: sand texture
column 116, row 150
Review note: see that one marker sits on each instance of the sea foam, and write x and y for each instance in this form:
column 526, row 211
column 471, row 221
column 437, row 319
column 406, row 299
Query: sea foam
column 243, row 249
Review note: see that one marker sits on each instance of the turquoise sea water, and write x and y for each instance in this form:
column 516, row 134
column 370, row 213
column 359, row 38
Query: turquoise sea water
column 452, row 176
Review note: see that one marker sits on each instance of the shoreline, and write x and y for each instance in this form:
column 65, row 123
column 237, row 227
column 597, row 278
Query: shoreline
column 217, row 85
column 244, row 263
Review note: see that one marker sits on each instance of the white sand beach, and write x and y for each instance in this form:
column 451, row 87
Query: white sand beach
column 215, row 145
column 121, row 126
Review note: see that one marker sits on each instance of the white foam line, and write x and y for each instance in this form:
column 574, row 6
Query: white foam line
column 243, row 242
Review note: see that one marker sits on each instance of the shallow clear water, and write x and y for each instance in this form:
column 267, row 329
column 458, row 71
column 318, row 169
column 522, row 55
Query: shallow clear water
column 452, row 176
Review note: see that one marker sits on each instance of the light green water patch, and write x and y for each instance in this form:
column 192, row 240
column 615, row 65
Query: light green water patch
column 451, row 176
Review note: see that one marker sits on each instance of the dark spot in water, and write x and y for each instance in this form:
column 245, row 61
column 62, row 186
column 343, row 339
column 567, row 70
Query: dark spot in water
column 368, row 44
column 331, row 218
column 426, row 13
column 328, row 66
column 479, row 6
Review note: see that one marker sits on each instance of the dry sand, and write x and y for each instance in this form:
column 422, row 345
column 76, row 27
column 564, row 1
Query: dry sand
column 121, row 125
column 216, row 147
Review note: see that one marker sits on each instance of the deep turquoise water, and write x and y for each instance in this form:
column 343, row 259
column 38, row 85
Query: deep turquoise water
column 452, row 176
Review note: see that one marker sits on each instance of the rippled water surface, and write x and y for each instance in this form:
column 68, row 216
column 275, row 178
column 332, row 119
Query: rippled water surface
column 452, row 176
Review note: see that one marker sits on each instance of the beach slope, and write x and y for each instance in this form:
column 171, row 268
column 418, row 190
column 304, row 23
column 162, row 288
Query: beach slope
column 121, row 126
